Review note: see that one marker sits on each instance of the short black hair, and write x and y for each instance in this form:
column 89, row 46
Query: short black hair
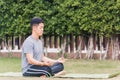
column 36, row 20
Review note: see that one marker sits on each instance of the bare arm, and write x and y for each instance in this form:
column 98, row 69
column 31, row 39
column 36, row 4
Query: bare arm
column 31, row 60
column 52, row 61
column 46, row 59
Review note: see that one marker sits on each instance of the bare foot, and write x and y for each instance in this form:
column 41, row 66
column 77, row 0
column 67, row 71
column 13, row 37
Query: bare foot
column 43, row 76
column 60, row 73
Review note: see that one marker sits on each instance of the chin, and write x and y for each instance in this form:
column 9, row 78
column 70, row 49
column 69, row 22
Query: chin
column 40, row 35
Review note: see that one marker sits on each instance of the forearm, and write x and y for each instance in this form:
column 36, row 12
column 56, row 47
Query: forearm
column 32, row 61
column 35, row 62
column 49, row 60
column 52, row 61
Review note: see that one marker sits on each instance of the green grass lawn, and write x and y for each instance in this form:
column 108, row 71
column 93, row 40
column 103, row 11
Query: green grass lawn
column 10, row 64
column 71, row 66
column 92, row 66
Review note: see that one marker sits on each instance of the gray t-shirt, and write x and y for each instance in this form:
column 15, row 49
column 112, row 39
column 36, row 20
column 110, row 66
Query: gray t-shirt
column 31, row 46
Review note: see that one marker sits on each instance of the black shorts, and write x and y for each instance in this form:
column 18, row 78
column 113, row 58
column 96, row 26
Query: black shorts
column 37, row 71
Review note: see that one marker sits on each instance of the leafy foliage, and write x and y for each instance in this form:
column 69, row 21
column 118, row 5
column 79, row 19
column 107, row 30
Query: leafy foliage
column 79, row 17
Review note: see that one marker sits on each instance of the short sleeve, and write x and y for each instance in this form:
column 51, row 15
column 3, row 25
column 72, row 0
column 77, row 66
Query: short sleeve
column 28, row 47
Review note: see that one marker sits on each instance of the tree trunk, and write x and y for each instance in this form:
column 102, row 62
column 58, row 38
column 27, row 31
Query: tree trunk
column 56, row 41
column 64, row 46
column 101, row 46
column 106, row 49
column 71, row 43
column 115, row 47
column 51, row 41
column 67, row 43
column 79, row 41
column 90, row 50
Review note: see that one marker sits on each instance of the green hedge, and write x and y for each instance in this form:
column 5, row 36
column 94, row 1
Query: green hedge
column 79, row 17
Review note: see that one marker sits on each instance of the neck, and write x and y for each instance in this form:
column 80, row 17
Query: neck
column 35, row 36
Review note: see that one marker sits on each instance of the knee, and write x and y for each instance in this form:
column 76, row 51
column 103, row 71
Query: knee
column 62, row 66
column 57, row 67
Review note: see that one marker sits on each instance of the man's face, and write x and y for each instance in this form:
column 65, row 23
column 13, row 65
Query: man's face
column 39, row 29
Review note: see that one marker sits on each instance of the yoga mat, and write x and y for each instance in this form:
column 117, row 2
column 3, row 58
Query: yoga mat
column 92, row 76
column 70, row 75
column 11, row 74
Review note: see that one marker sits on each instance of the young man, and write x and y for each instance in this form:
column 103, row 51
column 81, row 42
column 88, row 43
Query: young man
column 34, row 63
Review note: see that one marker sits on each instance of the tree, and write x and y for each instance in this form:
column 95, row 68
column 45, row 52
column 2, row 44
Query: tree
column 61, row 17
